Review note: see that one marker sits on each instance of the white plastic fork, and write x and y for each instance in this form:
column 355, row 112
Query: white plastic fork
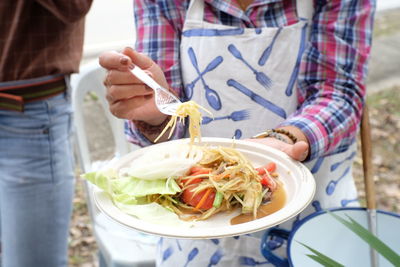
column 166, row 102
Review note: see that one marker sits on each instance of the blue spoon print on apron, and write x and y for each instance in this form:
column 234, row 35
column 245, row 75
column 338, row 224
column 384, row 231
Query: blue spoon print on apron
column 330, row 188
column 337, row 164
column 247, row 261
column 345, row 202
column 261, row 77
column 215, row 258
column 167, row 253
column 234, row 116
column 317, row 165
column 257, row 98
column 213, row 64
column 192, row 254
column 211, row 95
column 238, row 134
column 267, row 52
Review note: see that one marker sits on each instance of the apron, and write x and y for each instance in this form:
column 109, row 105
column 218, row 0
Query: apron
column 247, row 78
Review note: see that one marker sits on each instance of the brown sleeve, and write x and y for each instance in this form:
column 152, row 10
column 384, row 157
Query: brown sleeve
column 67, row 11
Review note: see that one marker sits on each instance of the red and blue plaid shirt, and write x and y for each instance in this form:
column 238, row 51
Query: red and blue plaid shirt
column 331, row 81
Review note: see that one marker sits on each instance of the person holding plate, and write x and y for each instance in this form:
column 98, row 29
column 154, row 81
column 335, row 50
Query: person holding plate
column 290, row 73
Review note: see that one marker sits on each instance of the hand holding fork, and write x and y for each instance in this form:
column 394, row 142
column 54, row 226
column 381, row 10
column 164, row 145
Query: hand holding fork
column 132, row 96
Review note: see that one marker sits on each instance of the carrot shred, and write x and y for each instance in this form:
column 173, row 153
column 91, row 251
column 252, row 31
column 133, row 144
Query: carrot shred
column 203, row 199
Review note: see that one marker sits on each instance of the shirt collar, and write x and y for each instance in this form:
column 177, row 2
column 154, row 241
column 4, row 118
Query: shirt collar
column 230, row 7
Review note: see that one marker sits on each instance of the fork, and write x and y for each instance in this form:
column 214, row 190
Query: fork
column 166, row 102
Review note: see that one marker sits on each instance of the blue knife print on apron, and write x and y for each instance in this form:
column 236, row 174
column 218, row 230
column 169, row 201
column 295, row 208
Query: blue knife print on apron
column 257, row 98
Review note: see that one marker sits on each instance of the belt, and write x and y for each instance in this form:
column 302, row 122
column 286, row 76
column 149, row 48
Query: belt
column 14, row 97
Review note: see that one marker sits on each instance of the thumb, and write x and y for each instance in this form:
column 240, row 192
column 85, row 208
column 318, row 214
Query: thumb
column 138, row 59
column 299, row 151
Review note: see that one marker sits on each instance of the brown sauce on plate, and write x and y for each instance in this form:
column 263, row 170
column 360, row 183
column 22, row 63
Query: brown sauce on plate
column 277, row 202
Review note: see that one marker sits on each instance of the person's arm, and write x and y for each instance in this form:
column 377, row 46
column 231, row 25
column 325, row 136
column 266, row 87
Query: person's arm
column 67, row 11
column 158, row 29
column 332, row 75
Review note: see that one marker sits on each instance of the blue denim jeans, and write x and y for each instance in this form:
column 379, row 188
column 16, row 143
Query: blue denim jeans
column 36, row 183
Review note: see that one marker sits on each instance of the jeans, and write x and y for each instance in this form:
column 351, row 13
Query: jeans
column 36, row 183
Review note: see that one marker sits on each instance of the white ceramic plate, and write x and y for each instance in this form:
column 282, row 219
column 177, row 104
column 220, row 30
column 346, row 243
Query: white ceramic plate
column 298, row 182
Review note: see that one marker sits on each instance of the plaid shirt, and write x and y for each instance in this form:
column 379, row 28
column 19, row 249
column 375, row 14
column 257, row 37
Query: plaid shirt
column 331, row 81
column 41, row 37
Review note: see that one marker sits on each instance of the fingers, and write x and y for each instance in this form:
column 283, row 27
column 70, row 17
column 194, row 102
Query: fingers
column 138, row 108
column 114, row 60
column 127, row 108
column 138, row 59
column 299, row 151
column 116, row 77
column 124, row 92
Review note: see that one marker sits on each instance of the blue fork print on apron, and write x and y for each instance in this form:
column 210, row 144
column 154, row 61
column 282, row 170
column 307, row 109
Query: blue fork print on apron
column 234, row 116
column 211, row 95
column 261, row 77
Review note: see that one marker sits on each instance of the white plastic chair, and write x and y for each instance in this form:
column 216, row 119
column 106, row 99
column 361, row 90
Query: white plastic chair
column 118, row 245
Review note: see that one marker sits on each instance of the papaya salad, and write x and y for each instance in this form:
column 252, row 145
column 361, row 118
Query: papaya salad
column 188, row 182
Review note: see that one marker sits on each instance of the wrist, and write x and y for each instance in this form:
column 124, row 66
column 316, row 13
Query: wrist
column 287, row 134
column 147, row 128
column 295, row 132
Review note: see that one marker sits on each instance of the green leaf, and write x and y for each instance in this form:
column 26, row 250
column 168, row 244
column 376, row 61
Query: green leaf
column 371, row 239
column 322, row 258
column 321, row 261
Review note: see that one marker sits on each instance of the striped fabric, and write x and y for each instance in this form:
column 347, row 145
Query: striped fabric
column 14, row 94
column 331, row 81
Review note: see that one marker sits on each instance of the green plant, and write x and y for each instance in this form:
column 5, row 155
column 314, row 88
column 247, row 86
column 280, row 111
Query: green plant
column 364, row 234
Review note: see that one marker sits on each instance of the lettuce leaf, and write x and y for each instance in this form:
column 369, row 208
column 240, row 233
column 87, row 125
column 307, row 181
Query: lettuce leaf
column 129, row 195
column 131, row 186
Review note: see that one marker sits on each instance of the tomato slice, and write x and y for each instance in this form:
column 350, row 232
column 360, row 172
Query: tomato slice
column 270, row 167
column 192, row 199
column 268, row 182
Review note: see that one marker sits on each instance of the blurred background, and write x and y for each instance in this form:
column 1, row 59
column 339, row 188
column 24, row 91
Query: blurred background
column 383, row 86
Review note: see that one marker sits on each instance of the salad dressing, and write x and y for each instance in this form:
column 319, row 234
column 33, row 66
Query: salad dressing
column 278, row 200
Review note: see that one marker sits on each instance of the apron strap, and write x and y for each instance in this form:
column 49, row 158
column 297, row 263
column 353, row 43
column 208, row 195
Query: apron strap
column 196, row 10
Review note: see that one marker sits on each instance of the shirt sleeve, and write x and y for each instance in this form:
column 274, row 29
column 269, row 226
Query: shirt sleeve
column 67, row 11
column 332, row 75
column 158, row 29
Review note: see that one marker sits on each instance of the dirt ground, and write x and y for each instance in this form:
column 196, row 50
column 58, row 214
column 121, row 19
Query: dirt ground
column 384, row 107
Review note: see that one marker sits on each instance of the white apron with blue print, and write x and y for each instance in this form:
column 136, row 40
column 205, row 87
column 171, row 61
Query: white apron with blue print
column 247, row 79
